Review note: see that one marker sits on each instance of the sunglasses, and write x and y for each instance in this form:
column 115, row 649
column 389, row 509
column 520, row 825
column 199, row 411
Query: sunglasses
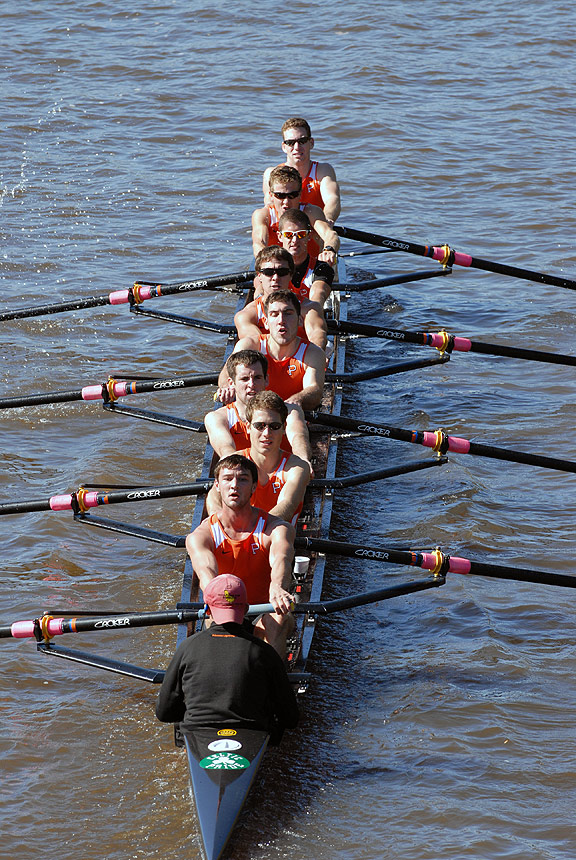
column 295, row 234
column 260, row 426
column 295, row 140
column 283, row 195
column 281, row 271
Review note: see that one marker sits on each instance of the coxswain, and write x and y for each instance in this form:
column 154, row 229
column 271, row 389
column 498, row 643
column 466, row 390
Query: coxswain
column 225, row 675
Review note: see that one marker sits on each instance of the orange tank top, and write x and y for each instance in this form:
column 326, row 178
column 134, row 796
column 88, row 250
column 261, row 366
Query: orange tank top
column 311, row 187
column 247, row 558
column 238, row 428
column 265, row 496
column 285, row 375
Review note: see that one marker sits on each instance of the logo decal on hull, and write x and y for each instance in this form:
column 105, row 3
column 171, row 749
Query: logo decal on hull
column 224, row 745
column 224, row 761
column 227, row 733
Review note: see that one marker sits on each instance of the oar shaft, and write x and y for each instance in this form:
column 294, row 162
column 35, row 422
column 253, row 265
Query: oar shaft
column 442, row 443
column 453, row 257
column 443, row 341
column 140, row 292
column 437, row 562
column 83, row 500
column 47, row 626
column 109, row 391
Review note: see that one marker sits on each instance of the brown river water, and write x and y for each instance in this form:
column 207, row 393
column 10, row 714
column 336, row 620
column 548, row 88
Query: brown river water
column 439, row 725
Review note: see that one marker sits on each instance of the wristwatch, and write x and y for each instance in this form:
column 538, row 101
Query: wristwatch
column 329, row 248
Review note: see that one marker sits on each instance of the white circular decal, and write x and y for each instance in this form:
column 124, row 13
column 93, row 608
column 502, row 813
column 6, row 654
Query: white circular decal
column 224, row 745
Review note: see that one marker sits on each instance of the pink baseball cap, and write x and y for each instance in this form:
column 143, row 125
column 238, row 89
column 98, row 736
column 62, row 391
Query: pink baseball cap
column 226, row 596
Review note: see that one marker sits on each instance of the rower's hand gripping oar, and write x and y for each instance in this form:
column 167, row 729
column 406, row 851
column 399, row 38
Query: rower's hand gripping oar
column 448, row 257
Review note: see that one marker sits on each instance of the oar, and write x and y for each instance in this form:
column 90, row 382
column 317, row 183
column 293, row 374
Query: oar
column 437, row 562
column 82, row 500
column 109, row 391
column 446, row 342
column 448, row 257
column 47, row 626
column 141, row 291
column 440, row 441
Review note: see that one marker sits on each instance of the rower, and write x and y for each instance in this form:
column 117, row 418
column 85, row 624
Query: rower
column 282, row 476
column 250, row 543
column 296, row 369
column 319, row 184
column 227, row 427
column 285, row 193
column 275, row 267
column 311, row 279
column 225, row 675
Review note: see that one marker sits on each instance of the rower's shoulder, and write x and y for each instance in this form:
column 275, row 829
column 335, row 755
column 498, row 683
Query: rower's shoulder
column 297, row 464
column 315, row 213
column 324, row 169
column 314, row 354
column 261, row 215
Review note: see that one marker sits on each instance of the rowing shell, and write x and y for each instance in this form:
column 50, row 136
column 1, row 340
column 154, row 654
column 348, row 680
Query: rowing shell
column 223, row 766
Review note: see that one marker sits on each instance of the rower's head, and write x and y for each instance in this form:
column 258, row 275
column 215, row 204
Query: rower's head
column 294, row 229
column 235, row 478
column 227, row 598
column 285, row 185
column 275, row 267
column 248, row 373
column 297, row 140
column 266, row 414
column 283, row 316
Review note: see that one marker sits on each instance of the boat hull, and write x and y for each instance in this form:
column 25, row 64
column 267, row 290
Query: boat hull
column 223, row 763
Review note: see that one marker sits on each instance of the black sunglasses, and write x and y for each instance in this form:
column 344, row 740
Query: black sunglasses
column 260, row 426
column 296, row 140
column 282, row 195
column 281, row 271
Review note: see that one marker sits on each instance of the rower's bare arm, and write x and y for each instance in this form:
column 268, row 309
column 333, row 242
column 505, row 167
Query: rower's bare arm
column 291, row 495
column 219, row 435
column 260, row 224
column 198, row 546
column 330, row 191
column 281, row 557
column 246, row 322
column 325, row 233
column 315, row 322
column 297, row 433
